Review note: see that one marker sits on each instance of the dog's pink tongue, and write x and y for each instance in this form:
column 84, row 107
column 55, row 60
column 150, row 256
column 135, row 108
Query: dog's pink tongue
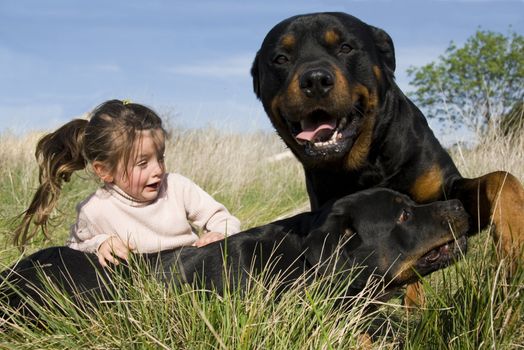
column 312, row 131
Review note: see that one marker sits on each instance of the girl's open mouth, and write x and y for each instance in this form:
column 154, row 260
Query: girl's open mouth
column 154, row 186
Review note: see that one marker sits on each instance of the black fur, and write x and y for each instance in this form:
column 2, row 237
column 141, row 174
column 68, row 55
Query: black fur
column 371, row 228
column 318, row 70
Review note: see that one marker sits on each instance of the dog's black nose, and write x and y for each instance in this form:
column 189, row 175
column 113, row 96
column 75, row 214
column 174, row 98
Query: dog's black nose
column 316, row 82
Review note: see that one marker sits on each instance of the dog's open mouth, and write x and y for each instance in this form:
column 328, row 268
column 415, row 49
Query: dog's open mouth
column 323, row 133
column 441, row 256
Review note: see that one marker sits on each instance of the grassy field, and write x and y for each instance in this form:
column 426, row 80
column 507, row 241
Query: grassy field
column 471, row 305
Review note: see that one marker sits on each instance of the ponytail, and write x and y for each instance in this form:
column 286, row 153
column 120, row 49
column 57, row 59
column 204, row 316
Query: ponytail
column 58, row 154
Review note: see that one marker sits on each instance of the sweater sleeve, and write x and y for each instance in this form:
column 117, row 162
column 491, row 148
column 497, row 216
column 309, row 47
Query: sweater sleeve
column 205, row 212
column 84, row 235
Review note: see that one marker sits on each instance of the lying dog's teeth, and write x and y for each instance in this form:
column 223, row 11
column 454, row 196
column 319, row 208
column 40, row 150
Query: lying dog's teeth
column 433, row 256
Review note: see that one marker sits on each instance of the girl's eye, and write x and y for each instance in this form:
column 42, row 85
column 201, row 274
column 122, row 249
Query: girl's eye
column 345, row 48
column 281, row 59
column 404, row 216
column 142, row 164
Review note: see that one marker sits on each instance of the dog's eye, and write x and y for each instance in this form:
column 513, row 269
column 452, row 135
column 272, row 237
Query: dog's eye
column 345, row 48
column 281, row 59
column 404, row 216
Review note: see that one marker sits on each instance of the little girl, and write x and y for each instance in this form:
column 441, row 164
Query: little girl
column 140, row 207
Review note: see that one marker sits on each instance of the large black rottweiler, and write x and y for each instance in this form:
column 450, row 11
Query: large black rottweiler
column 380, row 231
column 326, row 80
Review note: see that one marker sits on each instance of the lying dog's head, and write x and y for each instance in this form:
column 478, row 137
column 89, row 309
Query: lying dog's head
column 390, row 235
column 321, row 78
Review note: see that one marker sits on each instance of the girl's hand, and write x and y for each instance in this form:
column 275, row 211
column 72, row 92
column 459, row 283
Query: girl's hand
column 110, row 249
column 208, row 237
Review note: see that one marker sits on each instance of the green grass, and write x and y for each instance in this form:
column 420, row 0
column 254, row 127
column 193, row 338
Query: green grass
column 471, row 305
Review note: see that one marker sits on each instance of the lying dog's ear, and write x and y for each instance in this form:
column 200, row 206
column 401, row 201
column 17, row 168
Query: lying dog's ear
column 319, row 247
column 330, row 245
column 255, row 75
column 331, row 252
column 385, row 47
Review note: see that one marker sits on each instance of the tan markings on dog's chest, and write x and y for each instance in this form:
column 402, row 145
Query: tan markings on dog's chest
column 428, row 186
column 360, row 149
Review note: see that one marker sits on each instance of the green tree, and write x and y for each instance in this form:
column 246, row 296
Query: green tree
column 473, row 85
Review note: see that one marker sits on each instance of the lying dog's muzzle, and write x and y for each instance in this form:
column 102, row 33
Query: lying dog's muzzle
column 441, row 256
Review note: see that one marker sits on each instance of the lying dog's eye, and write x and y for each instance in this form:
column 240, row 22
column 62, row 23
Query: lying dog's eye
column 281, row 59
column 404, row 216
column 345, row 48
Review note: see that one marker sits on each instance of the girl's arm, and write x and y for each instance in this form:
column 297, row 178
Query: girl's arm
column 87, row 237
column 206, row 212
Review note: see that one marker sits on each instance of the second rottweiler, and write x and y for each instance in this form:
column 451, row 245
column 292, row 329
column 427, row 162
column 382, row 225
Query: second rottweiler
column 380, row 232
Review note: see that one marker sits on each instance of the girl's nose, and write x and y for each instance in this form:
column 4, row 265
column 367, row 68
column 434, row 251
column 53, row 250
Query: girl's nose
column 159, row 168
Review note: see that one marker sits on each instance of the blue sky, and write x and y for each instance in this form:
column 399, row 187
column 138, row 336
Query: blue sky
column 190, row 59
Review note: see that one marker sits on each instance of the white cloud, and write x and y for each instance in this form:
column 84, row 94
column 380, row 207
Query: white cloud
column 234, row 66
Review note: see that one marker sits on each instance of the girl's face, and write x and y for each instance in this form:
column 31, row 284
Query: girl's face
column 146, row 169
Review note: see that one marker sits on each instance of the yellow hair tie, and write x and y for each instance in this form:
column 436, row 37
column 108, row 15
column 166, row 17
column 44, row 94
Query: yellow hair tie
column 126, row 102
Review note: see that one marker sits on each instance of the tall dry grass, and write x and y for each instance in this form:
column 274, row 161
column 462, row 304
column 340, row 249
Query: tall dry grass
column 236, row 169
column 472, row 305
column 493, row 152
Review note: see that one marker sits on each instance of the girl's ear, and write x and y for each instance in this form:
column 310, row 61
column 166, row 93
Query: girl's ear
column 102, row 172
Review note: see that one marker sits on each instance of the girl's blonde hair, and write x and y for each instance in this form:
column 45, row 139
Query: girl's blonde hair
column 108, row 137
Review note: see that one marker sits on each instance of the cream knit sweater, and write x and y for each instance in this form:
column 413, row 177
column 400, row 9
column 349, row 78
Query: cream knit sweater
column 153, row 226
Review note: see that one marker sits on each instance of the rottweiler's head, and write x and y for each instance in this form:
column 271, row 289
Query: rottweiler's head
column 321, row 78
column 390, row 236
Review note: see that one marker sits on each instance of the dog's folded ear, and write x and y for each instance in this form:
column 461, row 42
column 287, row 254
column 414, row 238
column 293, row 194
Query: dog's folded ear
column 255, row 75
column 385, row 47
column 330, row 253
column 330, row 245
column 319, row 246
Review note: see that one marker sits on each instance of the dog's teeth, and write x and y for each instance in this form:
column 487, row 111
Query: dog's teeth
column 331, row 142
